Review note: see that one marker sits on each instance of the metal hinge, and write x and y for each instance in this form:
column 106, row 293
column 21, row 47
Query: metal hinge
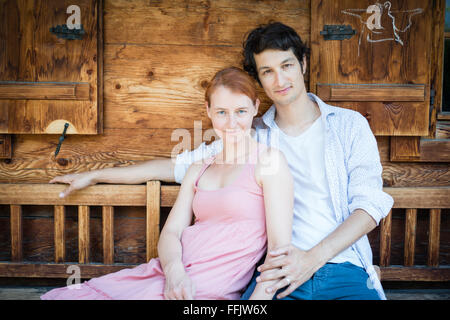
column 337, row 32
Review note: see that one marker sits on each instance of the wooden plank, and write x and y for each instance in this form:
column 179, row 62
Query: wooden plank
column 83, row 234
column 434, row 237
column 150, row 94
column 42, row 270
column 32, row 165
column 108, row 234
column 152, row 218
column 405, row 148
column 100, row 75
column 169, row 195
column 16, row 233
column 385, row 240
column 54, row 270
column 443, row 130
column 36, row 55
column 420, row 198
column 215, row 23
column 420, row 150
column 60, row 235
column 437, row 61
column 44, row 91
column 5, row 145
column 437, row 150
column 48, row 194
column 416, row 273
column 397, row 118
column 415, row 174
column 135, row 195
column 410, row 236
column 359, row 60
column 374, row 92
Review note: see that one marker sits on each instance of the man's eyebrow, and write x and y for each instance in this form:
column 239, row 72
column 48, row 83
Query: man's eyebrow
column 282, row 62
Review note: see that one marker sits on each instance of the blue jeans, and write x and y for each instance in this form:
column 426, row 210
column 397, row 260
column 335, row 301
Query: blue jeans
column 334, row 281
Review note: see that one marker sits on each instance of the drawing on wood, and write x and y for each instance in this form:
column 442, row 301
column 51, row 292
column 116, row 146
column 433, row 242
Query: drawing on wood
column 372, row 17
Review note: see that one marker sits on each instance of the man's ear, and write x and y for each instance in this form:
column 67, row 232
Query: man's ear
column 304, row 64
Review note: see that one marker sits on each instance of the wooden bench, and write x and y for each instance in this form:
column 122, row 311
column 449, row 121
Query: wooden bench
column 153, row 196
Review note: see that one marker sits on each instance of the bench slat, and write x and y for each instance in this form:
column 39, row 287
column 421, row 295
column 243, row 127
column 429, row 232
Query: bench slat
column 108, row 234
column 152, row 218
column 410, row 236
column 16, row 233
column 83, row 234
column 385, row 240
column 59, row 221
column 434, row 237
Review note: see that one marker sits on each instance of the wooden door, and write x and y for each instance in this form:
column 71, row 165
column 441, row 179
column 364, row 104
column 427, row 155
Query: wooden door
column 383, row 69
column 47, row 81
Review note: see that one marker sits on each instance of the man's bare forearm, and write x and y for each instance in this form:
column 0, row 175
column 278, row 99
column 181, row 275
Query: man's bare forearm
column 158, row 169
column 358, row 224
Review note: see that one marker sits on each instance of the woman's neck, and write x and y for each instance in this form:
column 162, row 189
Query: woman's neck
column 236, row 153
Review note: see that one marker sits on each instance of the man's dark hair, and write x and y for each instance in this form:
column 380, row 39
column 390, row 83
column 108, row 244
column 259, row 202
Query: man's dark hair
column 273, row 35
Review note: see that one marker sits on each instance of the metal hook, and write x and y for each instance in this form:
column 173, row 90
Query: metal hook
column 61, row 139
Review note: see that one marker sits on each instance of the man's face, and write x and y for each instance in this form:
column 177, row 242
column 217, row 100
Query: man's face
column 280, row 75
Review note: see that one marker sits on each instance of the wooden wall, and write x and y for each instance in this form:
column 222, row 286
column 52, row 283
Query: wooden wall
column 158, row 59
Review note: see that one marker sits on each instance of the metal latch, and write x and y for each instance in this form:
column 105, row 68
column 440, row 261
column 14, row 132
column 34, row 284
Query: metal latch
column 337, row 32
column 64, row 32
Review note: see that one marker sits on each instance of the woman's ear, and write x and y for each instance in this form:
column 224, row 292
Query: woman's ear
column 207, row 109
column 257, row 102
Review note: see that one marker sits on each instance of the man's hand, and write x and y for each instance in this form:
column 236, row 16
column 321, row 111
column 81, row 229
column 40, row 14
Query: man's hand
column 291, row 266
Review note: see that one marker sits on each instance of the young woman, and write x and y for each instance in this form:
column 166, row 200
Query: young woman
column 242, row 200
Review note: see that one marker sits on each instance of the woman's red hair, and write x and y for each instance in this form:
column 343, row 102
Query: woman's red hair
column 234, row 79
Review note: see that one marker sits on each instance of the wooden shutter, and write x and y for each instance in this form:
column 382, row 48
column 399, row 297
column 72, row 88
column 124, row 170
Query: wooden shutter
column 47, row 81
column 383, row 70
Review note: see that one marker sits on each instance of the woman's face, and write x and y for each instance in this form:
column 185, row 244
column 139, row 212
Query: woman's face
column 231, row 114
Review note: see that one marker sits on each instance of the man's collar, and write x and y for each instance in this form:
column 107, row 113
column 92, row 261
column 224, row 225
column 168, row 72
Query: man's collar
column 325, row 110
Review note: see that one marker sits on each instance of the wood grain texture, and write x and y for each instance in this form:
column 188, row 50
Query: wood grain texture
column 360, row 62
column 108, row 234
column 83, row 234
column 44, row 91
column 371, row 92
column 153, row 193
column 434, row 237
column 417, row 149
column 98, row 195
column 212, row 23
column 392, row 118
column 60, row 233
column 16, row 233
column 39, row 56
column 385, row 240
column 410, row 236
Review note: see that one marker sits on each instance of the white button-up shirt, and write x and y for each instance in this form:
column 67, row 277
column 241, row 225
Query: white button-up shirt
column 352, row 165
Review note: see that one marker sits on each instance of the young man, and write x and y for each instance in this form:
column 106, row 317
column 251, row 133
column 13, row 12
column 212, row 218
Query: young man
column 334, row 160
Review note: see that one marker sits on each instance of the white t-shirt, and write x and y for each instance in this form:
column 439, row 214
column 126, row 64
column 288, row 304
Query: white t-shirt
column 314, row 217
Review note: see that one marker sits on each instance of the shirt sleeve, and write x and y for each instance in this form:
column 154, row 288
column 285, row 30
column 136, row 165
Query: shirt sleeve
column 186, row 158
column 365, row 183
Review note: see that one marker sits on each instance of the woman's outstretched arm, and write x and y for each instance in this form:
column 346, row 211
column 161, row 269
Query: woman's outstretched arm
column 275, row 177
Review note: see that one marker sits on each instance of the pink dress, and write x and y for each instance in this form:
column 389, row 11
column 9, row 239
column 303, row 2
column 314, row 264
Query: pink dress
column 220, row 250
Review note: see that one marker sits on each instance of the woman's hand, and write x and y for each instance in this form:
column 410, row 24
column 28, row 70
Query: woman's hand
column 76, row 181
column 179, row 287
